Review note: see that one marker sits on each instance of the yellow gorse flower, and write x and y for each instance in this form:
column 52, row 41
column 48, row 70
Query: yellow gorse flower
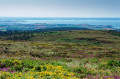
column 54, row 72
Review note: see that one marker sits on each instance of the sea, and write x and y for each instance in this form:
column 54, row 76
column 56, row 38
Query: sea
column 115, row 22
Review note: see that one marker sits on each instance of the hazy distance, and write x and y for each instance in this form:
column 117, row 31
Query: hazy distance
column 59, row 8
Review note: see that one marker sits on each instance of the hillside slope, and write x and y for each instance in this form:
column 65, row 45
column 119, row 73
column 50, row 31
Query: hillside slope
column 75, row 54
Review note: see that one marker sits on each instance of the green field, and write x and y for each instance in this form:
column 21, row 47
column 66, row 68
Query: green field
column 76, row 54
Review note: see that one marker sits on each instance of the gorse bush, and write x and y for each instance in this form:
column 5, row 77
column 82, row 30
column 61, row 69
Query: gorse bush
column 113, row 63
column 109, row 64
column 28, row 69
column 9, row 63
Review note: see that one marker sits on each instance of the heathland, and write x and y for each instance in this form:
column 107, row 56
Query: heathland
column 72, row 54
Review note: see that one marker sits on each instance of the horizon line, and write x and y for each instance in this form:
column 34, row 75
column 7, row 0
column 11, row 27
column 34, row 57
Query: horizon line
column 51, row 17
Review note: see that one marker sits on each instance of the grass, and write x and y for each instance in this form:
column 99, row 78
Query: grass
column 62, row 55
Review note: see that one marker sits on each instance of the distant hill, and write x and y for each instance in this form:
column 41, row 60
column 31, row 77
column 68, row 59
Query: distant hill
column 43, row 26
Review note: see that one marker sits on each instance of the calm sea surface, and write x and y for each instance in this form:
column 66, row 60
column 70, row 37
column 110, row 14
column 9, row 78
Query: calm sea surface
column 114, row 22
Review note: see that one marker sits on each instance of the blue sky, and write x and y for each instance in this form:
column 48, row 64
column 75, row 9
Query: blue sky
column 60, row 8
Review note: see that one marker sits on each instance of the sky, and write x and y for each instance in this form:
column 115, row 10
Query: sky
column 59, row 8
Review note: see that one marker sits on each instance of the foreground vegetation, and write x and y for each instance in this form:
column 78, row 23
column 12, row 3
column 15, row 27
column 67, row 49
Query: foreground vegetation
column 81, row 54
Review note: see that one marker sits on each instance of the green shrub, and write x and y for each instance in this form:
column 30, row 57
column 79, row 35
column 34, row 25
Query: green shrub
column 17, row 68
column 38, row 68
column 113, row 63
